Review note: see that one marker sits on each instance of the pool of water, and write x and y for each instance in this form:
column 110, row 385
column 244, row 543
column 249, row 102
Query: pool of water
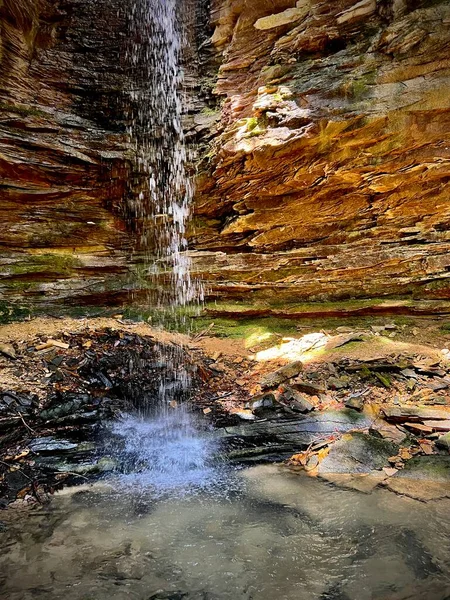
column 260, row 533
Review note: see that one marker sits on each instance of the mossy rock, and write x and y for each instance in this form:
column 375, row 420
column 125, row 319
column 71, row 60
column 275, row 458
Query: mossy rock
column 433, row 468
column 423, row 478
column 358, row 453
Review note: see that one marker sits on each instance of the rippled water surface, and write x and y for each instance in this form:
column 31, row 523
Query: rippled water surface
column 267, row 534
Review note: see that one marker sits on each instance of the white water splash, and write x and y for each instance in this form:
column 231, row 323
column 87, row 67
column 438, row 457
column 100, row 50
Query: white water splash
column 165, row 453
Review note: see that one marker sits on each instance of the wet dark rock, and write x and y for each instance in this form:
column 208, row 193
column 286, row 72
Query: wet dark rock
column 51, row 445
column 69, row 405
column 273, row 380
column 80, row 417
column 84, row 467
column 277, row 440
column 357, row 453
column 8, row 423
column 294, row 400
column 15, row 482
column 58, row 360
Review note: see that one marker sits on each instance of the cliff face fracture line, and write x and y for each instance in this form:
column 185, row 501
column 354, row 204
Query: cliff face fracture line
column 324, row 173
column 329, row 178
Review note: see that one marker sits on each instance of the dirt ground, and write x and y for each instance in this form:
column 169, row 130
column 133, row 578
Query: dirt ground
column 60, row 376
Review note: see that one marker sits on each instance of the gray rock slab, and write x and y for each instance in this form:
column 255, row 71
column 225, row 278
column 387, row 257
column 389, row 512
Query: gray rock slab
column 423, row 478
column 358, row 453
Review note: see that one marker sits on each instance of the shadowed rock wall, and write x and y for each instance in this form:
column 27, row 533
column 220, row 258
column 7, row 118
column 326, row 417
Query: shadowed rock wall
column 330, row 176
column 62, row 150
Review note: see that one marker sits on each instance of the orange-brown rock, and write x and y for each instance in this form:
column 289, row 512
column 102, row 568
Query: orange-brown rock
column 330, row 178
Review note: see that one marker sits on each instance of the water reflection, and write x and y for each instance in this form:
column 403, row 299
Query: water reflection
column 279, row 536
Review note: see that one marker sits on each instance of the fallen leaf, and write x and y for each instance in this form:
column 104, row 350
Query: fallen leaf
column 300, row 458
column 405, row 454
column 393, row 459
column 426, row 448
column 323, row 453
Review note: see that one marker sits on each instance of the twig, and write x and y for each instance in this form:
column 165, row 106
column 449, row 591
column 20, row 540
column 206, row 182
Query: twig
column 220, row 397
column 26, row 424
column 17, row 469
column 203, row 333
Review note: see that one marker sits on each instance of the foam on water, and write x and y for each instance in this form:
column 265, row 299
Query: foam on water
column 166, row 453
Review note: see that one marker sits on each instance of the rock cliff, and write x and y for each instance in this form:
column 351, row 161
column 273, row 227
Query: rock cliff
column 61, row 150
column 324, row 171
column 329, row 178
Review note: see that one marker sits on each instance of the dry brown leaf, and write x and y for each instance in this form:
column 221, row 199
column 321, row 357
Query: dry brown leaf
column 426, row 448
column 405, row 454
column 323, row 453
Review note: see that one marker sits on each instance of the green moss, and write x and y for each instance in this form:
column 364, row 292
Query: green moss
column 61, row 264
column 435, row 468
column 211, row 112
column 252, row 122
column 23, row 110
column 10, row 312
column 238, row 307
column 383, row 379
column 358, row 87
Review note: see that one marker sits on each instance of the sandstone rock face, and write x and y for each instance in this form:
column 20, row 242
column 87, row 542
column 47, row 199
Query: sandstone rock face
column 62, row 150
column 330, row 176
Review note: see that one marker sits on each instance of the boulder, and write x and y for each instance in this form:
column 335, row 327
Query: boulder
column 423, row 478
column 357, row 453
column 273, row 380
column 294, row 400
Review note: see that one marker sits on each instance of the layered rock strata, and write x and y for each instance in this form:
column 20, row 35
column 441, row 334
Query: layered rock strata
column 62, row 150
column 330, row 177
column 324, row 173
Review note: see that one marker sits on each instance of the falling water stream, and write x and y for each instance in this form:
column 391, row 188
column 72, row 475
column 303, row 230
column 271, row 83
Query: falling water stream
column 178, row 523
column 162, row 191
column 164, row 441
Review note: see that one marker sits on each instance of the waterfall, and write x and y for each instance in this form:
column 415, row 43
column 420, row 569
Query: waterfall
column 161, row 189
column 161, row 443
